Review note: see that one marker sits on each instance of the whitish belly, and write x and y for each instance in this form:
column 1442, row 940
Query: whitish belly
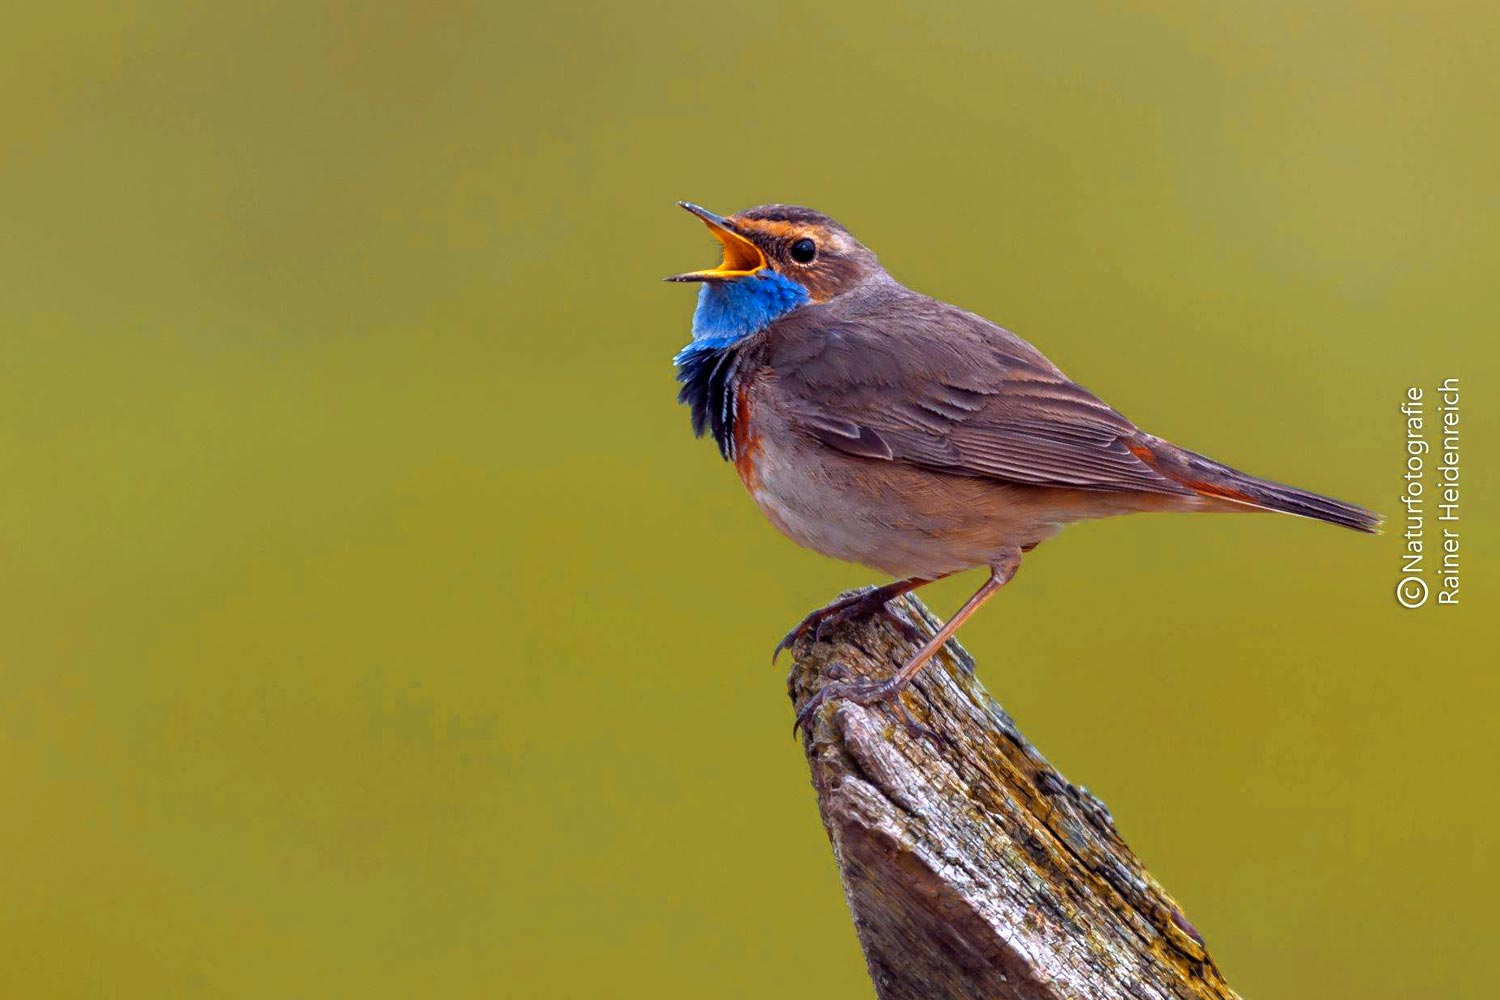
column 893, row 518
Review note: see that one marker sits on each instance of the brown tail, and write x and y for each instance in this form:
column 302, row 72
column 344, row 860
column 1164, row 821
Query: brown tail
column 1210, row 478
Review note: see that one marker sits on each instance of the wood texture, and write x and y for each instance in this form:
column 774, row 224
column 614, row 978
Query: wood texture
column 973, row 869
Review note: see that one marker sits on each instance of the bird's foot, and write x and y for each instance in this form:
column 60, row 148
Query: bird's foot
column 866, row 602
column 865, row 692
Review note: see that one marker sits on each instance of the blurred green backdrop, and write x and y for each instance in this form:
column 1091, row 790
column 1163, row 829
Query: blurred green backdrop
column 372, row 625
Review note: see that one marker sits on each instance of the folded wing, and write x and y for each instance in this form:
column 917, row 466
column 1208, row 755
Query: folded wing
column 932, row 386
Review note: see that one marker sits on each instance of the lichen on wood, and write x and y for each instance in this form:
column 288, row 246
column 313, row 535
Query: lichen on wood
column 972, row 868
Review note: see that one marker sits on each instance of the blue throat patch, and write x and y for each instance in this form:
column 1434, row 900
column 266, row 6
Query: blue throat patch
column 727, row 313
column 732, row 310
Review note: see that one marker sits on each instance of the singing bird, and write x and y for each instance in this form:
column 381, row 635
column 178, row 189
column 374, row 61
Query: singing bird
column 876, row 425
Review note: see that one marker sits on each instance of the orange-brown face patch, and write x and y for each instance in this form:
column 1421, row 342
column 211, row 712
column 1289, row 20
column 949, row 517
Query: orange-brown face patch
column 828, row 272
column 778, row 229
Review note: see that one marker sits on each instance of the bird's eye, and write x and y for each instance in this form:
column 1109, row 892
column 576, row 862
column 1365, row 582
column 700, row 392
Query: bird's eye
column 804, row 250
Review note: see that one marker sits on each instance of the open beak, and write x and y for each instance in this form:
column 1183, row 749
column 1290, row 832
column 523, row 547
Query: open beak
column 741, row 257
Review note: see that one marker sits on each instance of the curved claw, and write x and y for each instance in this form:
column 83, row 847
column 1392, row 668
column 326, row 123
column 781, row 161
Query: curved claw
column 839, row 610
column 788, row 639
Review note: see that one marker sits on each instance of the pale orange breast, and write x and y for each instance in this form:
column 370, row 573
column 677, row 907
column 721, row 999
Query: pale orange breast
column 747, row 446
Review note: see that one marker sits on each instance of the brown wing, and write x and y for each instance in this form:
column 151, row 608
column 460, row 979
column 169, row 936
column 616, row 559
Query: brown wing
column 910, row 379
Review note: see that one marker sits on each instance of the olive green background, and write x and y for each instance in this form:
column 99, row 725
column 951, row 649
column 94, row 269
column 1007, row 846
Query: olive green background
column 371, row 624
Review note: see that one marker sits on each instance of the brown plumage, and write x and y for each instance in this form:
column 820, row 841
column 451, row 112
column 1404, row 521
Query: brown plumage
column 875, row 424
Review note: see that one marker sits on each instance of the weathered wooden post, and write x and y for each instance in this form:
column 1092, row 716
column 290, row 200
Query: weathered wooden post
column 973, row 869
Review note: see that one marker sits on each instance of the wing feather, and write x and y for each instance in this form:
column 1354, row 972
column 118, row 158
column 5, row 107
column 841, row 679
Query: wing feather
column 920, row 382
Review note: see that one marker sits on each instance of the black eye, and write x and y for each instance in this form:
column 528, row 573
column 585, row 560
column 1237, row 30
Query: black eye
column 803, row 251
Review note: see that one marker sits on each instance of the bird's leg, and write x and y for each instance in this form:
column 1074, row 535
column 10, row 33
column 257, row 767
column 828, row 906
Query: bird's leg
column 869, row 691
column 868, row 601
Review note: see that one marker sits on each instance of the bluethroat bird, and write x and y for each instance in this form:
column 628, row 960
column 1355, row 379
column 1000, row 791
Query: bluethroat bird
column 880, row 426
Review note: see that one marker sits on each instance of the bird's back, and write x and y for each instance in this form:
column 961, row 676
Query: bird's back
column 888, row 375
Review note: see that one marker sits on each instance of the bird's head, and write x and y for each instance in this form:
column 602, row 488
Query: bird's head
column 776, row 258
column 801, row 245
